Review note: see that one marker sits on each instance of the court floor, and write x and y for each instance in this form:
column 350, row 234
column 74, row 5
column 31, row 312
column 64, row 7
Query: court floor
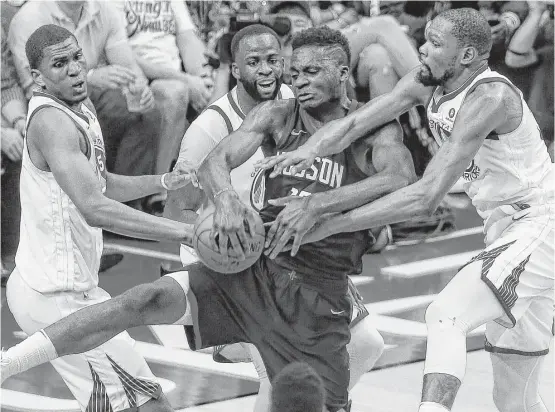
column 397, row 285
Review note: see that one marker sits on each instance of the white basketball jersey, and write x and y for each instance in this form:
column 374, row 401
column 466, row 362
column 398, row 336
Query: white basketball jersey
column 511, row 171
column 58, row 250
column 242, row 177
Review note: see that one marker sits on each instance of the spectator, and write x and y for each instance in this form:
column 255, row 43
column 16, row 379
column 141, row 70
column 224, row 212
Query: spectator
column 130, row 136
column 164, row 42
column 537, row 30
column 381, row 52
column 14, row 115
column 298, row 388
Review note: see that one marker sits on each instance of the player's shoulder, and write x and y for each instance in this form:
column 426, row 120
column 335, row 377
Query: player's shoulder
column 51, row 124
column 497, row 94
column 275, row 110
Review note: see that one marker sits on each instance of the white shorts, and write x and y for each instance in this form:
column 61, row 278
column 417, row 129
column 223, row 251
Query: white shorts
column 112, row 375
column 518, row 268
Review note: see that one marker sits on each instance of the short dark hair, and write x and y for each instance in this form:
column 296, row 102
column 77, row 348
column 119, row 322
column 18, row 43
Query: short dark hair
column 43, row 37
column 249, row 31
column 324, row 37
column 297, row 388
column 470, row 28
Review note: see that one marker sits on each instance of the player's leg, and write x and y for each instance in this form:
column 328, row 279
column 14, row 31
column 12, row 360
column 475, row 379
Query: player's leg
column 160, row 302
column 516, row 381
column 365, row 348
column 113, row 376
column 464, row 304
column 509, row 279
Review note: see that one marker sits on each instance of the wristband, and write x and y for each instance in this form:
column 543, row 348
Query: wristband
column 163, row 183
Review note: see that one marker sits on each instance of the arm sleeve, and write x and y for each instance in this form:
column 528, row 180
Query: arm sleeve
column 202, row 137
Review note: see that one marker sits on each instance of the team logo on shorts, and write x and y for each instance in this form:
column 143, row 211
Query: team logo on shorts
column 472, row 172
column 451, row 113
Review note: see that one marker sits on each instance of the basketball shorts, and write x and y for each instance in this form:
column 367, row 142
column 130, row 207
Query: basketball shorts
column 287, row 316
column 112, row 377
column 238, row 353
column 518, row 267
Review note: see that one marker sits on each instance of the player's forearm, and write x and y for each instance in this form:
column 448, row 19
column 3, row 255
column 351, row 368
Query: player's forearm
column 118, row 218
column 336, row 136
column 126, row 188
column 214, row 174
column 399, row 206
column 357, row 194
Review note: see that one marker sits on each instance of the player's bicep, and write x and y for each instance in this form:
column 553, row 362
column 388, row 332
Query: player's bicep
column 240, row 145
column 58, row 142
column 389, row 153
column 481, row 114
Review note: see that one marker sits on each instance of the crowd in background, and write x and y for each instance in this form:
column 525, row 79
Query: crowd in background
column 154, row 65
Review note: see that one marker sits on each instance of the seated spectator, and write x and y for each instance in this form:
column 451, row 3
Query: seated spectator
column 532, row 47
column 164, row 42
column 130, row 130
column 14, row 115
column 298, row 388
column 381, row 52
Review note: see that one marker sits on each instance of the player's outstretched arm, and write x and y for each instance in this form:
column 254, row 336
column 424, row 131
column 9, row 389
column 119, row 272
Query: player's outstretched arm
column 392, row 169
column 336, row 136
column 483, row 112
column 215, row 180
column 67, row 162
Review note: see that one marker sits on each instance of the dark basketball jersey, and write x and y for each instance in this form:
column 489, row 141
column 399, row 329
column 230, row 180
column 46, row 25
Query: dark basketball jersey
column 338, row 255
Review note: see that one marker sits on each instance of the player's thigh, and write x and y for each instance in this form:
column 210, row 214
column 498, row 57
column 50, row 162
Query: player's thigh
column 34, row 311
column 113, row 374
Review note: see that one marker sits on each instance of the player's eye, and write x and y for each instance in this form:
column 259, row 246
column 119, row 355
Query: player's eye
column 59, row 64
column 252, row 63
column 273, row 61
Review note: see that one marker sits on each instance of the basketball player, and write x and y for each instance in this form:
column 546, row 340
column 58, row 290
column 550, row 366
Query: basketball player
column 67, row 198
column 489, row 136
column 258, row 69
column 290, row 308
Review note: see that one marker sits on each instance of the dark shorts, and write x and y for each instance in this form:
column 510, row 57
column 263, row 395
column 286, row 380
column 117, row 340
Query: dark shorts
column 287, row 316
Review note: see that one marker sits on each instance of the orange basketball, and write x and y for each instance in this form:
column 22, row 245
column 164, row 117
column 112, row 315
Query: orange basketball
column 212, row 258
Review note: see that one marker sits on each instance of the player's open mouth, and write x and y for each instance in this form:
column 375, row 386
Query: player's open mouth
column 79, row 86
column 267, row 85
column 304, row 97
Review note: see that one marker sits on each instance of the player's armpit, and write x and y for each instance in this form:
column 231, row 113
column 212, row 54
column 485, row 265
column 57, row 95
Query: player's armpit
column 482, row 112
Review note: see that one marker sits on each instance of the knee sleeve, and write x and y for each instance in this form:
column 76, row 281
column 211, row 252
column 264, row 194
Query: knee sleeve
column 446, row 346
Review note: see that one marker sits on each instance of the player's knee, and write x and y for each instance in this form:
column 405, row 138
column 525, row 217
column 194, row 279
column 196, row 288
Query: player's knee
column 438, row 315
column 145, row 301
column 155, row 405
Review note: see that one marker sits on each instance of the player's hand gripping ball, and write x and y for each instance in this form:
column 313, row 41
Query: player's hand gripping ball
column 212, row 258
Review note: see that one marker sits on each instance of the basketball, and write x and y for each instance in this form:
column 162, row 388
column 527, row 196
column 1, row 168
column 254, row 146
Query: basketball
column 212, row 258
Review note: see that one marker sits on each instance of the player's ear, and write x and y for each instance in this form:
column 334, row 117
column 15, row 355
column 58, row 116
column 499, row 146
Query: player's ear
column 37, row 77
column 344, row 73
column 235, row 71
column 468, row 55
